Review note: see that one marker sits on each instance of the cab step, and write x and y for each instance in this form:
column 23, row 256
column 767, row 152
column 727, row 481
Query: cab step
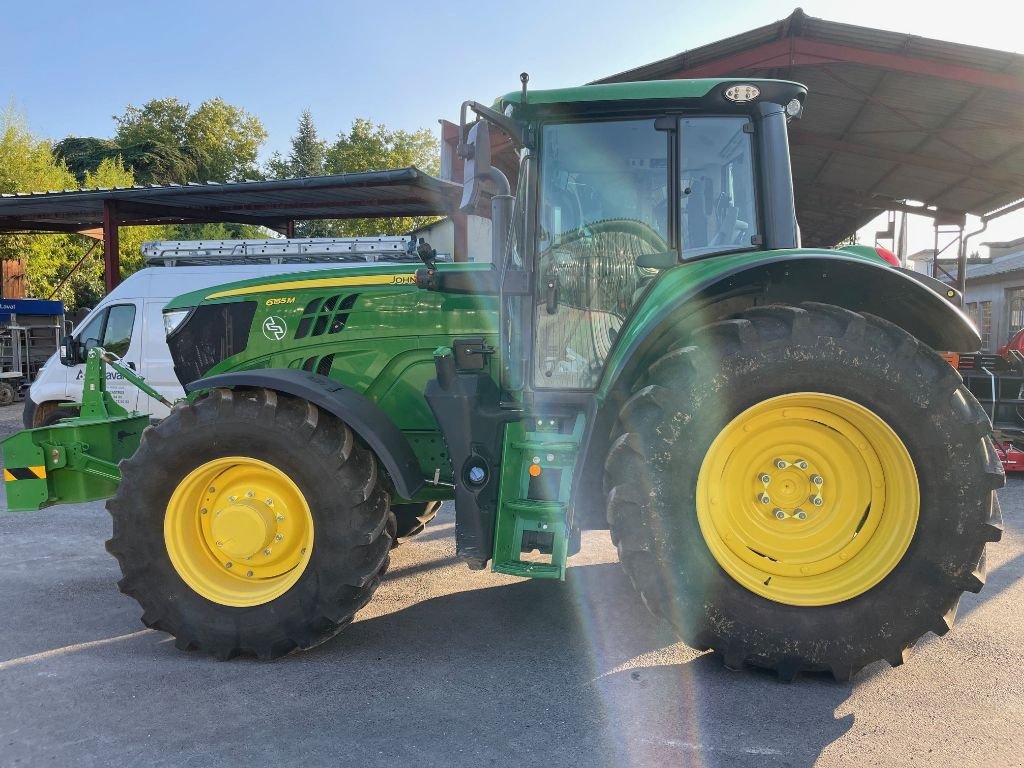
column 531, row 535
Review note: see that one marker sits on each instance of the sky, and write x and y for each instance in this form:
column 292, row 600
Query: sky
column 68, row 67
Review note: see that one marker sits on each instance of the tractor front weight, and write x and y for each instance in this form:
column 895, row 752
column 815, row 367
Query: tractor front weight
column 75, row 460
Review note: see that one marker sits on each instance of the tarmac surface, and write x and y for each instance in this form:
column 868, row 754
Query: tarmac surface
column 448, row 667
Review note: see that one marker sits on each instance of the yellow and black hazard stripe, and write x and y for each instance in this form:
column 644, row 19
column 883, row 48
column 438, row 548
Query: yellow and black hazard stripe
column 24, row 473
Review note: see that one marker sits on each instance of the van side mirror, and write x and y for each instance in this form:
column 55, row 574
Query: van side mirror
column 477, row 154
column 68, row 351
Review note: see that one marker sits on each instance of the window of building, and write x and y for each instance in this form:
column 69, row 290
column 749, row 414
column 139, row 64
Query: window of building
column 1015, row 302
column 985, row 325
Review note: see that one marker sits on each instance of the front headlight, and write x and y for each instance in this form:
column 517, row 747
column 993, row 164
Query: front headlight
column 173, row 319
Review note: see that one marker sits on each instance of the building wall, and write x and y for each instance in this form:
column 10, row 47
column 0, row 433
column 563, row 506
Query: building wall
column 441, row 235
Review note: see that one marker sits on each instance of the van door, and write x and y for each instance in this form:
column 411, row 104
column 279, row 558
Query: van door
column 116, row 330
column 157, row 366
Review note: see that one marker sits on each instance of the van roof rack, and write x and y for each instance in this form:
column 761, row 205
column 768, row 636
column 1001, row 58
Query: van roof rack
column 306, row 250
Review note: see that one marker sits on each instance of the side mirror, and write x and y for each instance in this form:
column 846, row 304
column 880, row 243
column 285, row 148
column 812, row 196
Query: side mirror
column 68, row 351
column 477, row 154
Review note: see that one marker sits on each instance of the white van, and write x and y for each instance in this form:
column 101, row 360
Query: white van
column 129, row 320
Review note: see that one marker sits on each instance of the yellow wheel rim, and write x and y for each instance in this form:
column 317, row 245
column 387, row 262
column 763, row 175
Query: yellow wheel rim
column 238, row 531
column 807, row 499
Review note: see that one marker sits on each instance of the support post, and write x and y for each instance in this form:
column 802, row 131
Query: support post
column 290, row 229
column 111, row 246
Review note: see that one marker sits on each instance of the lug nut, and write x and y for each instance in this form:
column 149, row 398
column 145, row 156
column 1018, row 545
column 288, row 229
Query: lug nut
column 800, row 515
column 279, row 537
column 780, row 514
column 781, row 464
column 248, row 573
column 765, row 478
column 817, row 479
column 802, row 464
column 228, row 565
column 269, row 502
column 280, row 518
column 266, row 551
column 818, row 501
column 250, row 494
column 764, row 498
column 231, row 498
column 203, row 511
column 211, row 489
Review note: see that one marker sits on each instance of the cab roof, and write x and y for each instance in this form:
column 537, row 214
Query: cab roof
column 650, row 90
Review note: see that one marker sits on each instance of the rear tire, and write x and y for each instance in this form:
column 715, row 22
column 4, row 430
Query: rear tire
column 329, row 491
column 411, row 519
column 658, row 504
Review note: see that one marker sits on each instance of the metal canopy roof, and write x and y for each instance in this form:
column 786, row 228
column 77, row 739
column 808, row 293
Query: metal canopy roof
column 890, row 117
column 405, row 192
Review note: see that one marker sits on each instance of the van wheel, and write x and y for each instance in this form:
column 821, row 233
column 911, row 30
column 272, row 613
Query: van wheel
column 48, row 414
column 7, row 393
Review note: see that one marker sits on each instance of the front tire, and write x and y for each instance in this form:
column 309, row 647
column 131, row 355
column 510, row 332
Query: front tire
column 818, row 401
column 250, row 522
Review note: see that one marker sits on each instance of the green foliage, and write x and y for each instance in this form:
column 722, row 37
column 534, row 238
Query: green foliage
column 228, row 140
column 27, row 163
column 307, row 158
column 215, row 142
column 370, row 147
column 151, row 161
column 161, row 120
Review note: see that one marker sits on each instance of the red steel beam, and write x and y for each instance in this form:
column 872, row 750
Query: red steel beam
column 798, row 51
column 111, row 246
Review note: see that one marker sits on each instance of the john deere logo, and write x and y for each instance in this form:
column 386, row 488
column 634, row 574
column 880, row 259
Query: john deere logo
column 274, row 328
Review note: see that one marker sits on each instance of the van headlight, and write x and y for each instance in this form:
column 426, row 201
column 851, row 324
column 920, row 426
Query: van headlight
column 174, row 318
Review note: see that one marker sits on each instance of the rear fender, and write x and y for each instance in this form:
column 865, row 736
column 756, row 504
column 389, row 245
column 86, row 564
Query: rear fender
column 695, row 294
column 360, row 413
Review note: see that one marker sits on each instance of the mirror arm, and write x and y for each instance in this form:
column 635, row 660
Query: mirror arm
column 507, row 126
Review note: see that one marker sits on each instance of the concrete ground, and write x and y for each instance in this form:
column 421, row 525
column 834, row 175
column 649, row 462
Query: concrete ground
column 448, row 668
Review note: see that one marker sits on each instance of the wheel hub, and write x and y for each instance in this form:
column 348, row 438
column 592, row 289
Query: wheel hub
column 807, row 499
column 241, row 530
column 238, row 531
column 791, row 487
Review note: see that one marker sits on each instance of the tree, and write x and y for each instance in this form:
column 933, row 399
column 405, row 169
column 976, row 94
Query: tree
column 161, row 120
column 228, row 140
column 369, row 147
column 307, row 158
column 151, row 161
column 309, row 151
column 221, row 140
column 27, row 165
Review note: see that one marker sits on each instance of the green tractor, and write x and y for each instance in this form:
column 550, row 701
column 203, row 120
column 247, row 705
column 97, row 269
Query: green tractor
column 791, row 474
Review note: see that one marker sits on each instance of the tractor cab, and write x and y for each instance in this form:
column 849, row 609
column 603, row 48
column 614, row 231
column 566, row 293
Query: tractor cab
column 616, row 185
